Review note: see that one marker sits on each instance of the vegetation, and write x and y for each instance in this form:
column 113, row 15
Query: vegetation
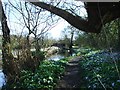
column 45, row 76
column 101, row 69
column 24, row 55
column 108, row 38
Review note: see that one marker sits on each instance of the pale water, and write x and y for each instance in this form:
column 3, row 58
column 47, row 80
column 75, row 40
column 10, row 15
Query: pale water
column 55, row 57
column 2, row 79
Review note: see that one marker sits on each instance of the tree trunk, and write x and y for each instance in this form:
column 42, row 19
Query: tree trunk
column 6, row 42
column 98, row 14
column 7, row 57
column 28, row 46
column 71, row 43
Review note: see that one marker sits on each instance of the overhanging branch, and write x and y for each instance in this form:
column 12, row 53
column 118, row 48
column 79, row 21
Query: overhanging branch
column 75, row 21
column 98, row 15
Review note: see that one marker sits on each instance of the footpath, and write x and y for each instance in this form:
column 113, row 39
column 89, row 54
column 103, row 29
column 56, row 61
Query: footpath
column 72, row 77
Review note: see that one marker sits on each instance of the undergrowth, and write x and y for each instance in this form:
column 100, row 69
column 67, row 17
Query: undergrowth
column 44, row 77
column 101, row 69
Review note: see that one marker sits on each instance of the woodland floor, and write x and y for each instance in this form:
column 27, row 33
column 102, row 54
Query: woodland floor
column 72, row 77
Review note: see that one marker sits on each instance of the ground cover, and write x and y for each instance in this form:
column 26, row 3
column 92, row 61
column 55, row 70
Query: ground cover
column 101, row 69
column 46, row 76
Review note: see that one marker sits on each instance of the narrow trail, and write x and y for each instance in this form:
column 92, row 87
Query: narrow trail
column 72, row 78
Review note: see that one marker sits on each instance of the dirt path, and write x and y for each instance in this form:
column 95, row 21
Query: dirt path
column 72, row 78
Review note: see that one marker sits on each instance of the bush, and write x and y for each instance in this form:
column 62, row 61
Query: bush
column 39, row 55
column 46, row 76
column 100, row 69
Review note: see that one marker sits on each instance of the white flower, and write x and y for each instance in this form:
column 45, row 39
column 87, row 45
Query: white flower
column 50, row 78
column 44, row 80
column 98, row 76
column 86, row 77
column 48, row 81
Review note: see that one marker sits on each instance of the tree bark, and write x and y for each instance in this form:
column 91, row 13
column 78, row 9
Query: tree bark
column 71, row 43
column 98, row 15
column 77, row 22
column 5, row 42
column 9, row 68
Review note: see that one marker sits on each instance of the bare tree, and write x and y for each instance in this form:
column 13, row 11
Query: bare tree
column 36, row 20
column 32, row 21
column 69, row 34
column 102, row 13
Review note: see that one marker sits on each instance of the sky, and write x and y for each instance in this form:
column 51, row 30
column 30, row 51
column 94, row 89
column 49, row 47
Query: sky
column 55, row 32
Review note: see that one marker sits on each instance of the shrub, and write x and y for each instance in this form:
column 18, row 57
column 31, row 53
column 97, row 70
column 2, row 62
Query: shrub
column 39, row 55
column 100, row 70
column 46, row 76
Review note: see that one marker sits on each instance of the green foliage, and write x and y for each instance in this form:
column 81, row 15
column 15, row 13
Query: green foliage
column 39, row 55
column 100, row 68
column 46, row 76
column 63, row 62
column 82, row 51
column 108, row 37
